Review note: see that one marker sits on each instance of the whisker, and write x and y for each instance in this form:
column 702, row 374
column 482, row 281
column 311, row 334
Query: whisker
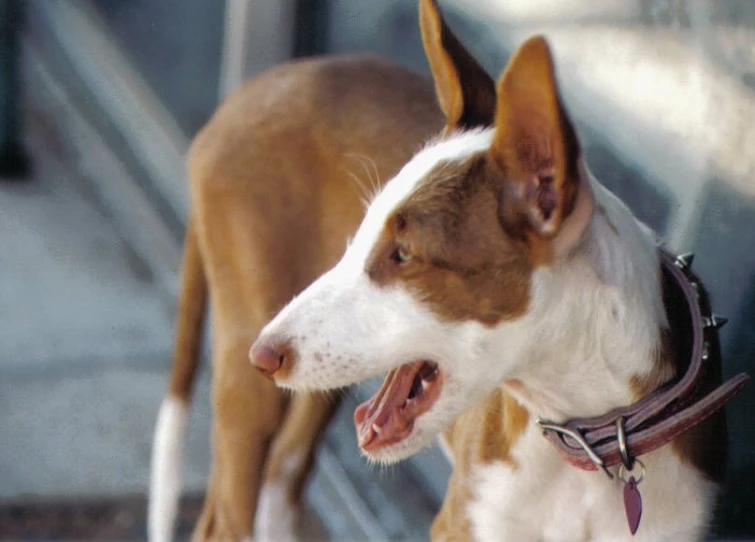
column 373, row 174
column 365, row 191
column 372, row 163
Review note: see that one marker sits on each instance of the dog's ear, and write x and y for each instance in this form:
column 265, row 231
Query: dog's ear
column 536, row 150
column 465, row 91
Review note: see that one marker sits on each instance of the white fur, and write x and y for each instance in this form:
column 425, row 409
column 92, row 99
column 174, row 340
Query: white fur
column 544, row 498
column 591, row 324
column 167, row 463
column 276, row 517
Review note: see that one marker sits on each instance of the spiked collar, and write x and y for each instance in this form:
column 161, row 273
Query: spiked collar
column 623, row 434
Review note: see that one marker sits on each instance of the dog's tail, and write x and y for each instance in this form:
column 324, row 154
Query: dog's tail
column 167, row 450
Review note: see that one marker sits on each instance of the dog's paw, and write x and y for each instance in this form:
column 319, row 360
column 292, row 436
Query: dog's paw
column 277, row 519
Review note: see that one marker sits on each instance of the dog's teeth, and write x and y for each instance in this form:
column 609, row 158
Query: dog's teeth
column 376, row 428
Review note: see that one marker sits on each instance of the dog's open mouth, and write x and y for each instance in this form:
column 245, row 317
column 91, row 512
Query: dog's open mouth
column 406, row 393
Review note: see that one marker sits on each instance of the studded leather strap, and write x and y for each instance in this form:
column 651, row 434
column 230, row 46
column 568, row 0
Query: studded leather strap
column 665, row 414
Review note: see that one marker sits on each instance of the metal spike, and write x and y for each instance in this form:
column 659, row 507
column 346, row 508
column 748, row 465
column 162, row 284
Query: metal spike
column 684, row 261
column 717, row 321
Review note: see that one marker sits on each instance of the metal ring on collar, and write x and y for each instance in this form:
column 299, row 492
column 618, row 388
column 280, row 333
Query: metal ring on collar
column 622, row 438
column 625, row 474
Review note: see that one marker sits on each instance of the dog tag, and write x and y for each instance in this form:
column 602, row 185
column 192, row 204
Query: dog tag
column 632, row 504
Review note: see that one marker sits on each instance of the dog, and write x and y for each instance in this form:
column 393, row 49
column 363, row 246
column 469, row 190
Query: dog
column 521, row 313
column 276, row 183
column 277, row 179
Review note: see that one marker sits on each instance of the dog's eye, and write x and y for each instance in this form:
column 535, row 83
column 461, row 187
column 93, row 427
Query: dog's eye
column 401, row 255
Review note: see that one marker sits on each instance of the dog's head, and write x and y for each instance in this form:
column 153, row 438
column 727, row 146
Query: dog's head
column 440, row 286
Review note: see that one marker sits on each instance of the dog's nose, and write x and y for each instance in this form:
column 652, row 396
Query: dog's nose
column 267, row 358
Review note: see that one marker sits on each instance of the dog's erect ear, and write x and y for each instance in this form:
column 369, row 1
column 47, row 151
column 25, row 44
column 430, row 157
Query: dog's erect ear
column 537, row 150
column 465, row 91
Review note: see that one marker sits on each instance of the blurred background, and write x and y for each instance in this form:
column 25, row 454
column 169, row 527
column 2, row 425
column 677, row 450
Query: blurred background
column 99, row 100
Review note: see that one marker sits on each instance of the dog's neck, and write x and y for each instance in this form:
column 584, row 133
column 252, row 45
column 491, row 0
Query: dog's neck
column 596, row 318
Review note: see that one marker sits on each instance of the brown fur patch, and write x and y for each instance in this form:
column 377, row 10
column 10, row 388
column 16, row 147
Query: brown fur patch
column 273, row 202
column 459, row 259
column 505, row 422
column 485, row 434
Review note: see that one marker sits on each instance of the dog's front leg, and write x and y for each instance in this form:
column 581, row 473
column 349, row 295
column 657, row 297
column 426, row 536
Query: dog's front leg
column 248, row 412
column 289, row 463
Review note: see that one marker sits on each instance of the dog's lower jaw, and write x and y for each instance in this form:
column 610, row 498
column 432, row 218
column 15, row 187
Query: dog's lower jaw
column 393, row 453
column 424, row 432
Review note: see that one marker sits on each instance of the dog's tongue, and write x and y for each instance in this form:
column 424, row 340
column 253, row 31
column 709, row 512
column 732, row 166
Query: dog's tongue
column 381, row 420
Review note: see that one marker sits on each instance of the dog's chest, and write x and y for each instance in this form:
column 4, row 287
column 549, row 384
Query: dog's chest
column 535, row 495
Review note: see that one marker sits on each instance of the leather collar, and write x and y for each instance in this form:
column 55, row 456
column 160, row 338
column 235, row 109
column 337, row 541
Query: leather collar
column 652, row 422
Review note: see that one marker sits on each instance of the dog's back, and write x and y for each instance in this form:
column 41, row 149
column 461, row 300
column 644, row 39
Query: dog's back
column 326, row 127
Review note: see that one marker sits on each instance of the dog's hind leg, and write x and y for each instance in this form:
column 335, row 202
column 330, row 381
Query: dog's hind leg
column 289, row 464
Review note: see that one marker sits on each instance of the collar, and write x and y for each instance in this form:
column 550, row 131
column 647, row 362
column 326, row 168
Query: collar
column 625, row 433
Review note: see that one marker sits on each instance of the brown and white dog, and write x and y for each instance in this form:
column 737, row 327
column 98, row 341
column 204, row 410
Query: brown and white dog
column 493, row 279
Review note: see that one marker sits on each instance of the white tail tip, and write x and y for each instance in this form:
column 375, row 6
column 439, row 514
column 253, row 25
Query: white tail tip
column 167, row 463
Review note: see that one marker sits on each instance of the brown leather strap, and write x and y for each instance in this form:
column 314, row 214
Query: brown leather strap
column 663, row 415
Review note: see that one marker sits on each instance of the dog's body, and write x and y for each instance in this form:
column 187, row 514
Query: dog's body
column 492, row 278
column 277, row 181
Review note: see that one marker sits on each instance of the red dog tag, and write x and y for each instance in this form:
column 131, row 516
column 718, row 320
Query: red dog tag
column 632, row 505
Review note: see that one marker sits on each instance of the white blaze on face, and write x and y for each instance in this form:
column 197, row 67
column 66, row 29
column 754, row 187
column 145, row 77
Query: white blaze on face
column 400, row 187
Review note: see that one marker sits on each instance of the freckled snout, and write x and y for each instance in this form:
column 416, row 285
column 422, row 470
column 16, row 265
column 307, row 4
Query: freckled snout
column 271, row 357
